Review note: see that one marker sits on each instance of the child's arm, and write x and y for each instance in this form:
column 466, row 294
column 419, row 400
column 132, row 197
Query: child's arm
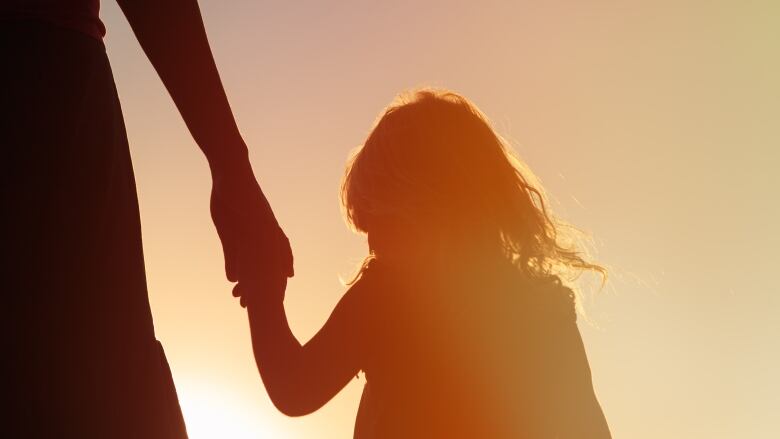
column 300, row 379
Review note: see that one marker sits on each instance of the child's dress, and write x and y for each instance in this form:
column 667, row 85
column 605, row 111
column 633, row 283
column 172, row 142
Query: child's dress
column 485, row 354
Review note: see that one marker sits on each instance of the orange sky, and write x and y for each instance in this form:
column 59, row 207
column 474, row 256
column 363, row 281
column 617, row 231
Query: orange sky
column 652, row 124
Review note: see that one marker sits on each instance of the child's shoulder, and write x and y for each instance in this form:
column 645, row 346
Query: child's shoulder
column 545, row 297
column 557, row 297
column 368, row 278
column 381, row 282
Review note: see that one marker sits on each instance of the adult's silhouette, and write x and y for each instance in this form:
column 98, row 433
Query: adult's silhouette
column 80, row 355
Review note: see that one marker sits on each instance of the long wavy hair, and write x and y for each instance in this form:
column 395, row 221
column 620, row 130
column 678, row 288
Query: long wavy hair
column 434, row 166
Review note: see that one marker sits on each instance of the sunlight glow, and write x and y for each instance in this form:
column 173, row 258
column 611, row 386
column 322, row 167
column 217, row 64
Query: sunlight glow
column 210, row 414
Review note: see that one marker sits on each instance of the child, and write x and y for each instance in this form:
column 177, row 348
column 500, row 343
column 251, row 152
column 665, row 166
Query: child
column 458, row 318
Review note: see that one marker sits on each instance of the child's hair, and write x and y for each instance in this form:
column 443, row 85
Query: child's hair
column 432, row 161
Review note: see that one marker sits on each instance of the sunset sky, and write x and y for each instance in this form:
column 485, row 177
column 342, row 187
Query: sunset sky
column 653, row 125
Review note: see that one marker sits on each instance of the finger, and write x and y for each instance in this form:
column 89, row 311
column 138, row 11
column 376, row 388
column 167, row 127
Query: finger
column 227, row 236
column 271, row 253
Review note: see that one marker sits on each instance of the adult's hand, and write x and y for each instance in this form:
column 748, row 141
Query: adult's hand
column 171, row 33
column 257, row 252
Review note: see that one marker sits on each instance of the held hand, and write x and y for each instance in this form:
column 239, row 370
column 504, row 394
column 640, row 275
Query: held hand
column 257, row 252
column 258, row 295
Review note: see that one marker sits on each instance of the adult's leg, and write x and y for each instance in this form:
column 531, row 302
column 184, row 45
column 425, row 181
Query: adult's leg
column 83, row 358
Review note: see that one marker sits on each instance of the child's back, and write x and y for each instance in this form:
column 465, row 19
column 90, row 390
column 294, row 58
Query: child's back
column 473, row 353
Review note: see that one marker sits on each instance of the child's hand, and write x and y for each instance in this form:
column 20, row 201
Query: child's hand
column 254, row 293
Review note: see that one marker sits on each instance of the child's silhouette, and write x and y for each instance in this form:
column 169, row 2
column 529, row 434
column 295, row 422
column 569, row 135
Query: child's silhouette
column 458, row 318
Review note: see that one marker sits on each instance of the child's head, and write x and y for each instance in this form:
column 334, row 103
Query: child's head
column 433, row 170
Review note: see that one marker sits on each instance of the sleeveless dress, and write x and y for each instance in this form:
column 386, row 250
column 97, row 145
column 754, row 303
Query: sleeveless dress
column 464, row 352
column 80, row 357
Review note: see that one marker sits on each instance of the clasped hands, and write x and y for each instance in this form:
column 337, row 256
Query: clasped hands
column 257, row 252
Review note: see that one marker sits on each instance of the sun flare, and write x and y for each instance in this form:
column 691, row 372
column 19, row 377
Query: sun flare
column 210, row 413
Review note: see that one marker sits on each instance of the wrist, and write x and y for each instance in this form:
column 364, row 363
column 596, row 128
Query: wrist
column 230, row 160
column 263, row 303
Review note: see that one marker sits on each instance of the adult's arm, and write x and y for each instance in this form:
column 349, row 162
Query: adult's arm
column 172, row 35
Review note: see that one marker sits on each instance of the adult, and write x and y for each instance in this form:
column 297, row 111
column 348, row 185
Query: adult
column 79, row 339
